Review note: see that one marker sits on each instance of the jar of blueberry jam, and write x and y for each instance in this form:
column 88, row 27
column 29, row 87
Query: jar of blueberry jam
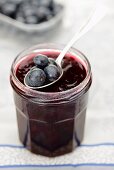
column 51, row 120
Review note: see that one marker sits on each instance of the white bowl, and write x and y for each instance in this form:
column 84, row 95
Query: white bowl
column 42, row 27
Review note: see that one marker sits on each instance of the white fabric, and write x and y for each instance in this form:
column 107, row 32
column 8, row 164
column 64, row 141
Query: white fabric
column 98, row 46
column 82, row 155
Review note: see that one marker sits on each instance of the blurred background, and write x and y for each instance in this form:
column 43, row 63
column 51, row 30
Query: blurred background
column 97, row 45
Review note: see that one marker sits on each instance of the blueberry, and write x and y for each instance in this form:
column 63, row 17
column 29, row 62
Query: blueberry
column 45, row 3
column 43, row 14
column 52, row 72
column 35, row 78
column 30, row 14
column 41, row 61
column 30, row 10
column 35, row 2
column 24, row 3
column 31, row 19
column 9, row 9
column 20, row 17
column 52, row 61
column 26, row 8
column 16, row 2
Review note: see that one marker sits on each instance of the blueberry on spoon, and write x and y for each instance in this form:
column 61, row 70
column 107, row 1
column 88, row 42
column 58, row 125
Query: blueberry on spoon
column 35, row 78
column 52, row 61
column 44, row 73
column 52, row 72
column 41, row 61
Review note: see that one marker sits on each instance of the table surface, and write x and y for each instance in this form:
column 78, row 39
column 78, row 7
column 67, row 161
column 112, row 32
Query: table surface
column 97, row 45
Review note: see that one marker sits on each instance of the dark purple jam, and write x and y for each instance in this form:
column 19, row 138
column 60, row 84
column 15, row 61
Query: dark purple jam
column 73, row 72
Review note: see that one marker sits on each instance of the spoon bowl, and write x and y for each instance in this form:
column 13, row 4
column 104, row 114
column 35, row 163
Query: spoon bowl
column 45, row 85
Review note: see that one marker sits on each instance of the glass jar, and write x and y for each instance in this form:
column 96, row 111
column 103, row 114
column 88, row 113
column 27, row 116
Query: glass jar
column 51, row 123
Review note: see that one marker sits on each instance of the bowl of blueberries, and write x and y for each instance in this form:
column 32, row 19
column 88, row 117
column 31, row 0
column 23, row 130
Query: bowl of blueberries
column 31, row 15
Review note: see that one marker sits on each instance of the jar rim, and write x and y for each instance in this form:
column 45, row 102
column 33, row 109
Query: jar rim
column 52, row 95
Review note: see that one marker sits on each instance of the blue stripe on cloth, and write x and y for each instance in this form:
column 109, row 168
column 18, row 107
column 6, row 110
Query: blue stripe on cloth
column 98, row 144
column 55, row 166
column 12, row 146
column 82, row 145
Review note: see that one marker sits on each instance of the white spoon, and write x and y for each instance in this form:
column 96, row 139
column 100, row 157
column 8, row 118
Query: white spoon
column 93, row 19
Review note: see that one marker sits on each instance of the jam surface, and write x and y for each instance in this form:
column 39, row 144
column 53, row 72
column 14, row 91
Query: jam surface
column 73, row 72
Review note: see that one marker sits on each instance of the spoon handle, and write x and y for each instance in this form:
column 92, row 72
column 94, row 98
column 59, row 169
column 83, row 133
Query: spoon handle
column 96, row 16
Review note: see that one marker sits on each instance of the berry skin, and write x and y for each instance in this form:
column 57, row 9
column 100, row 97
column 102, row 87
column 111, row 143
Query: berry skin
column 52, row 72
column 31, row 19
column 52, row 61
column 45, row 3
column 29, row 10
column 35, row 78
column 43, row 14
column 41, row 61
column 20, row 17
column 35, row 2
